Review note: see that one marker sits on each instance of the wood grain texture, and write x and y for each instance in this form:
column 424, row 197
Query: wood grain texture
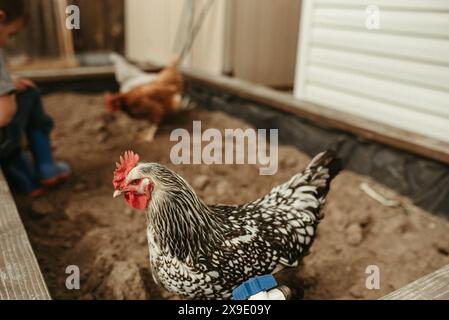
column 102, row 26
column 46, row 36
column 434, row 286
column 265, row 41
column 20, row 276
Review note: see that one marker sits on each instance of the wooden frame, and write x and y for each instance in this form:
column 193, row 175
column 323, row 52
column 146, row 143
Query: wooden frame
column 65, row 37
column 20, row 276
column 434, row 286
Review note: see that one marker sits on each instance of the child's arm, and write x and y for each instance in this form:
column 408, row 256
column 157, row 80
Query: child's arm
column 8, row 109
column 22, row 84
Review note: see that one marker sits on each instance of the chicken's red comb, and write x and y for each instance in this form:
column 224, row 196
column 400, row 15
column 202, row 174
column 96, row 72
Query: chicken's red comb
column 127, row 162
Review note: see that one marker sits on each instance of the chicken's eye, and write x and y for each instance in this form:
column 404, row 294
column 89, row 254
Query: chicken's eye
column 135, row 182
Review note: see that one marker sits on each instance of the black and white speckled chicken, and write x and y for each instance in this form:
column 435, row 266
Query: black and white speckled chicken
column 204, row 251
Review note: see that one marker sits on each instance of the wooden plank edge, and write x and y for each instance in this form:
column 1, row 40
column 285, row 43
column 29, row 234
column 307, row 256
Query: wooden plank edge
column 28, row 283
column 434, row 286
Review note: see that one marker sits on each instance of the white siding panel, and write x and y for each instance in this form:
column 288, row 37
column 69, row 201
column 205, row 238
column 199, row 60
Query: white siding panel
column 407, row 96
column 382, row 112
column 421, row 5
column 402, row 47
column 397, row 75
column 424, row 23
column 414, row 72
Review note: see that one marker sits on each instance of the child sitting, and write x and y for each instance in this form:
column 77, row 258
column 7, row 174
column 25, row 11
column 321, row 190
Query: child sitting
column 21, row 113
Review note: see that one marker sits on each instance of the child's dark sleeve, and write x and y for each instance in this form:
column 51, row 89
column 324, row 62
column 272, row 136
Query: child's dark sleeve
column 6, row 84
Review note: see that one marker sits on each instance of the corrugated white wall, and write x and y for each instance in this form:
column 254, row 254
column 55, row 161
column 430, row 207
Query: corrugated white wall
column 397, row 75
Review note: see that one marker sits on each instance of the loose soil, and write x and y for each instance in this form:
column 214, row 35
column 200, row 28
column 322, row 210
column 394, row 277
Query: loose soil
column 79, row 223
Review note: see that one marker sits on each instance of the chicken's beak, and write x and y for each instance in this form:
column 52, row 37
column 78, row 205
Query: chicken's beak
column 117, row 193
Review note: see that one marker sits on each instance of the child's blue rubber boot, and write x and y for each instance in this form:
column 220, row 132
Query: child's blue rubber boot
column 21, row 177
column 49, row 171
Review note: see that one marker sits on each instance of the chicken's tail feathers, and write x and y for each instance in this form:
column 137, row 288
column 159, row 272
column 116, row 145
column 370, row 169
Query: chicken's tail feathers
column 125, row 71
column 325, row 167
column 115, row 57
column 327, row 159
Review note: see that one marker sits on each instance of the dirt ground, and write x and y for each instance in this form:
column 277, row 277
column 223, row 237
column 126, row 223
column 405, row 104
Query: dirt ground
column 79, row 223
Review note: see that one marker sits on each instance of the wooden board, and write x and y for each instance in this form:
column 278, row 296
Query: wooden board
column 265, row 41
column 101, row 27
column 434, row 286
column 20, row 276
column 46, row 36
column 65, row 38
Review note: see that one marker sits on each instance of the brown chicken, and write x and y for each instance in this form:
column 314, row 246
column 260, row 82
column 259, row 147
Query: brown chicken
column 154, row 100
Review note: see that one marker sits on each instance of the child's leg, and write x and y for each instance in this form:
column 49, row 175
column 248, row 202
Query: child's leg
column 29, row 104
column 9, row 141
column 20, row 175
column 17, row 170
column 29, row 117
column 49, row 171
column 11, row 135
column 38, row 130
column 32, row 120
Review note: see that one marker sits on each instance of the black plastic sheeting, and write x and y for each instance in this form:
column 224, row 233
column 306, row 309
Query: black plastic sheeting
column 423, row 180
